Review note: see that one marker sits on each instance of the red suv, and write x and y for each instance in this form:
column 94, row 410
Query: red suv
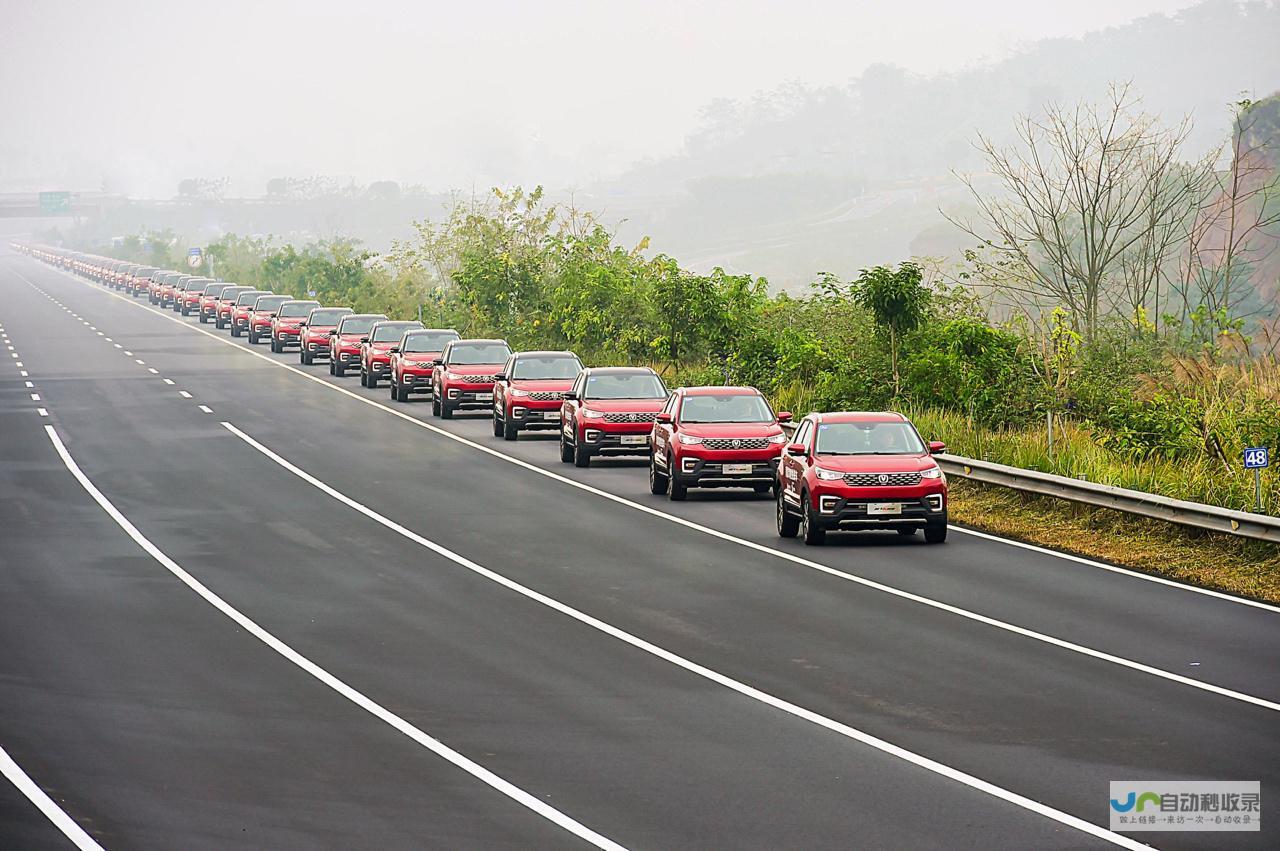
column 286, row 323
column 715, row 437
column 346, row 339
column 859, row 471
column 136, row 285
column 225, row 304
column 264, row 311
column 610, row 411
column 413, row 359
column 528, row 392
column 376, row 346
column 209, row 301
column 313, row 342
column 242, row 309
column 187, row 295
column 463, row 375
column 165, row 292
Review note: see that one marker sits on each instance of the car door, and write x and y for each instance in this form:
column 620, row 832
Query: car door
column 500, row 387
column 569, row 407
column 662, row 432
column 792, row 467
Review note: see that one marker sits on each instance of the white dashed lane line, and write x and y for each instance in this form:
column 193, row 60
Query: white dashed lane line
column 184, row 394
column 206, row 409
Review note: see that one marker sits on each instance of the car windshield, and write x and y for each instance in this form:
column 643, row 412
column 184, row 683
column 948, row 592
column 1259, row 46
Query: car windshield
column 473, row 353
column 247, row 298
column 637, row 385
column 546, row 368
column 872, row 438
column 428, row 342
column 296, row 309
column 232, row 293
column 327, row 317
column 358, row 324
column 214, row 289
column 270, row 303
column 389, row 333
column 727, row 408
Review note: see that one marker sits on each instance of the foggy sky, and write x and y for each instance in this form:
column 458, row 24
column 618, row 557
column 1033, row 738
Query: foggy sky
column 138, row 95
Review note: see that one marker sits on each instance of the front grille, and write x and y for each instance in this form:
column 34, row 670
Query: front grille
column 736, row 443
column 546, row 395
column 633, row 417
column 477, row 379
column 881, row 480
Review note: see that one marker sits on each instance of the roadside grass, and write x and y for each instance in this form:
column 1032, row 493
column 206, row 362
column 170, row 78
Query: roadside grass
column 1208, row 559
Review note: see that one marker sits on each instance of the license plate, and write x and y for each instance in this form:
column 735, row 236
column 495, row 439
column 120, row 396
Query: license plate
column 737, row 469
column 484, row 397
column 884, row 508
column 634, row 439
column 551, row 415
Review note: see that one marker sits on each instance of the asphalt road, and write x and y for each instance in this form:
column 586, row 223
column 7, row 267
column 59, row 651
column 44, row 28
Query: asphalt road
column 604, row 665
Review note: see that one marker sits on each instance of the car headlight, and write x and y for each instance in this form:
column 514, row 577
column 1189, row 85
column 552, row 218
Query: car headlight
column 778, row 438
column 932, row 473
column 829, row 475
column 516, row 391
column 688, row 438
column 452, row 376
column 593, row 415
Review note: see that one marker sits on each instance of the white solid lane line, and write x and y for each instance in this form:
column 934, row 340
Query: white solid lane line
column 52, row 811
column 776, row 553
column 693, row 667
column 359, row 699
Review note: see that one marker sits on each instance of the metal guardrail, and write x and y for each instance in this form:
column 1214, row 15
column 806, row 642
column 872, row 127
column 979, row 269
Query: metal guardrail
column 1260, row 527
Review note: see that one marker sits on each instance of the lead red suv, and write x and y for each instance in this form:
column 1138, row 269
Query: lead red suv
column 529, row 390
column 346, row 339
column 463, row 375
column 610, row 411
column 314, row 339
column 413, row 360
column 859, row 471
column 715, row 437
column 286, row 323
column 376, row 346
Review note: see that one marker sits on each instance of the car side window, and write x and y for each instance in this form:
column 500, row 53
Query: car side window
column 806, row 429
column 672, row 405
column 580, row 385
column 508, row 368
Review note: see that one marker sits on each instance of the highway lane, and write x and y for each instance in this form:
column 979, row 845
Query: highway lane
column 752, row 612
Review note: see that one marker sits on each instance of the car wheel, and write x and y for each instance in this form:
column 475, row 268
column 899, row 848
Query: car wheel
column 204, row 320
column 676, row 489
column 235, row 330
column 788, row 523
column 657, row 480
column 812, row 533
column 435, row 405
column 371, row 380
column 496, row 421
column 935, row 533
column 566, row 451
column 339, row 368
column 510, row 430
column 581, row 455
column 446, row 410
column 304, row 358
column 364, row 378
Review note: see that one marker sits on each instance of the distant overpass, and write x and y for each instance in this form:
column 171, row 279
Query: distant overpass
column 53, row 205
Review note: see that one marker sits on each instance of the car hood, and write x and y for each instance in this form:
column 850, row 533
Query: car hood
column 474, row 368
column 731, row 429
column 625, row 406
column 350, row 338
column 542, row 385
column 382, row 347
column 875, row 463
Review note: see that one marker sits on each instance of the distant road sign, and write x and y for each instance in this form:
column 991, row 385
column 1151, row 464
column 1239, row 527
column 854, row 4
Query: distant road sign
column 194, row 256
column 55, row 203
column 1256, row 457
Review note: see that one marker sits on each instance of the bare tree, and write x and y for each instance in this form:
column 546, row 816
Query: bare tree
column 1091, row 202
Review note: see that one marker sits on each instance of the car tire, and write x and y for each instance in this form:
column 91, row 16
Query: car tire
column 566, row 451
column 364, row 378
column 788, row 523
column 435, row 404
column 676, row 489
column 813, row 534
column 581, row 455
column 204, row 320
column 304, row 358
column 446, row 411
column 657, row 480
column 235, row 330
column 510, row 430
column 496, row 422
column 935, row 533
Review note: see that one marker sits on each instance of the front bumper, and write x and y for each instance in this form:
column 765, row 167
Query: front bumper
column 288, row 337
column 696, row 472
column 612, row 439
column 838, row 511
column 469, row 396
column 416, row 383
column 316, row 348
column 534, row 416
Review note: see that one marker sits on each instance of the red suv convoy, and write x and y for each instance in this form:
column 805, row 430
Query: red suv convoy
column 314, row 340
column 859, row 471
column 241, row 309
column 376, row 346
column 209, row 300
column 164, row 293
column 138, row 279
column 225, row 303
column 264, row 310
column 155, row 289
column 413, row 359
column 610, row 411
column 187, row 299
column 715, row 437
column 346, row 339
column 463, row 375
column 286, row 324
column 529, row 390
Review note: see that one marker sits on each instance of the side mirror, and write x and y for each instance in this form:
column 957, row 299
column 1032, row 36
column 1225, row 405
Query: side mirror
column 364, row 339
column 665, row 417
column 333, row 333
column 273, row 316
column 937, row 447
column 797, row 449
column 302, row 324
column 395, row 350
column 438, row 362
column 784, row 416
column 569, row 394
column 499, row 376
